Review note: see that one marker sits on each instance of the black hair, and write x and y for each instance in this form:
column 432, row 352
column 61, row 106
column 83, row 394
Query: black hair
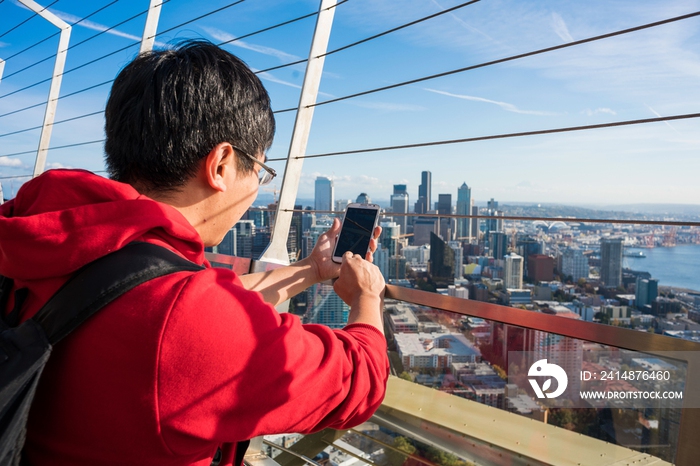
column 169, row 108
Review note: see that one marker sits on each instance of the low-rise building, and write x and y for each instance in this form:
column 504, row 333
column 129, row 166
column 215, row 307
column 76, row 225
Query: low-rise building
column 434, row 350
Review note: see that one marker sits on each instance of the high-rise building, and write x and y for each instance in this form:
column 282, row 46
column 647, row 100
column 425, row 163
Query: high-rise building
column 476, row 223
column 389, row 238
column 417, row 254
column 442, row 259
column 326, row 307
column 498, row 244
column 456, row 246
column 574, row 264
column 396, row 269
column 540, row 268
column 526, row 246
column 646, row 292
column 494, row 224
column 399, row 205
column 447, row 225
column 227, row 245
column 514, row 272
column 422, row 228
column 342, row 204
column 324, row 199
column 245, row 232
column 464, row 206
column 400, row 189
column 424, row 202
column 444, row 204
column 611, row 262
column 363, row 198
column 458, row 292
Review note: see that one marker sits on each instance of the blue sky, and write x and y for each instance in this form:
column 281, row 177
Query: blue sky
column 639, row 75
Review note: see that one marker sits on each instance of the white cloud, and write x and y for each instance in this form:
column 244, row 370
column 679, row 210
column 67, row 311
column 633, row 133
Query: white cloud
column 560, row 28
column 99, row 27
column 56, row 165
column 504, row 105
column 10, row 162
column 589, row 112
column 225, row 37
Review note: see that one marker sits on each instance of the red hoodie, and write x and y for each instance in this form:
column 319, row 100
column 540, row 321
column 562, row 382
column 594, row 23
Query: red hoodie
column 180, row 364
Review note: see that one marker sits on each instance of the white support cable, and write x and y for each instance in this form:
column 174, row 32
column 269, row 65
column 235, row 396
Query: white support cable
column 151, row 26
column 276, row 251
column 56, row 79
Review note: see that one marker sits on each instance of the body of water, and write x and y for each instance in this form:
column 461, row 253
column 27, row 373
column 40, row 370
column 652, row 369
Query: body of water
column 678, row 266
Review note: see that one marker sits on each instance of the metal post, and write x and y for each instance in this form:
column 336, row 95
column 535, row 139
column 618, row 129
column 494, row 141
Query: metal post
column 149, row 30
column 277, row 252
column 56, row 79
column 2, row 68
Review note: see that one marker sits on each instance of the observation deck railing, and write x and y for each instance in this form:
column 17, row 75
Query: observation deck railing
column 489, row 435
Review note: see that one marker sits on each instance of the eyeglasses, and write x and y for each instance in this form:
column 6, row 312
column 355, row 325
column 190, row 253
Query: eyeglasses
column 266, row 174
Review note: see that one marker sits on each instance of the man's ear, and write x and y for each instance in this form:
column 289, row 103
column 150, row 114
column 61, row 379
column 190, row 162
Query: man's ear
column 219, row 165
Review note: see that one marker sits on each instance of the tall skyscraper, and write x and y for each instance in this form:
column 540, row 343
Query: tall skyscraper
column 422, row 228
column 464, row 205
column 444, row 204
column 456, row 246
column 442, row 260
column 574, row 264
column 611, row 262
column 324, row 199
column 399, row 205
column 424, row 202
column 389, row 239
column 527, row 246
column 400, row 189
column 498, row 244
column 476, row 223
column 646, row 292
column 447, row 224
column 514, row 272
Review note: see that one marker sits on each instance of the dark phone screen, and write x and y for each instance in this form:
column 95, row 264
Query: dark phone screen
column 356, row 232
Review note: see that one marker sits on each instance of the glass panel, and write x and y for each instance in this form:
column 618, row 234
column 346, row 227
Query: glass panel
column 492, row 363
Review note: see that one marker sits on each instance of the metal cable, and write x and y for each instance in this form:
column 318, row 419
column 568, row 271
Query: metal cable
column 79, row 66
column 198, row 18
column 269, row 29
column 57, row 33
column 309, row 15
column 61, row 97
column 507, row 59
column 502, row 136
column 52, row 124
column 32, row 16
column 374, row 36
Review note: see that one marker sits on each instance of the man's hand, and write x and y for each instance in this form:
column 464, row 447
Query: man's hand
column 361, row 285
column 321, row 257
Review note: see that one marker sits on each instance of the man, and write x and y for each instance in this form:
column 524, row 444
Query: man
column 190, row 362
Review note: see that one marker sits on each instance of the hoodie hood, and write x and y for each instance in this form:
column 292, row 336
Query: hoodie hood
column 64, row 219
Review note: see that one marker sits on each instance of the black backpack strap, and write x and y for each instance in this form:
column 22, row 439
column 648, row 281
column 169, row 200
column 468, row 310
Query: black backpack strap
column 103, row 280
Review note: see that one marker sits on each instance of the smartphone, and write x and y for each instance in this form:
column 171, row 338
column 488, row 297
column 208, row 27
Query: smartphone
column 355, row 233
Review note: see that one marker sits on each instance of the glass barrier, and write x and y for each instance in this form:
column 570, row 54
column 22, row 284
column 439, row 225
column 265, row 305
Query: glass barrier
column 610, row 394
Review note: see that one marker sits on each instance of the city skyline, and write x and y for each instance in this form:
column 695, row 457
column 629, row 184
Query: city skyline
column 644, row 74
